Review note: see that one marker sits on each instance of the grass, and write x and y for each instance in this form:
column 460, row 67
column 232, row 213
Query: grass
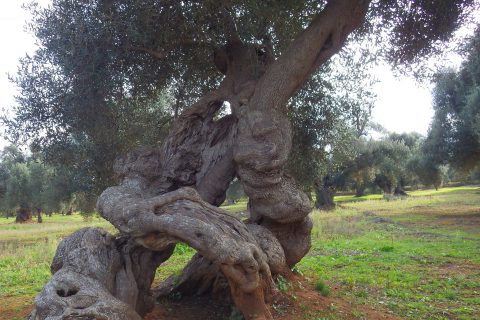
column 416, row 257
column 416, row 193
column 55, row 226
column 238, row 206
column 322, row 287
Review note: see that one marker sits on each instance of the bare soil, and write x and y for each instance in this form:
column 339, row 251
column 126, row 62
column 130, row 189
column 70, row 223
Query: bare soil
column 300, row 302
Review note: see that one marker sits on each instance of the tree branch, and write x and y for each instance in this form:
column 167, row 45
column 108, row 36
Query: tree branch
column 315, row 45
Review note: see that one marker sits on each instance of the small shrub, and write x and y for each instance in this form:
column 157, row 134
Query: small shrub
column 296, row 270
column 323, row 288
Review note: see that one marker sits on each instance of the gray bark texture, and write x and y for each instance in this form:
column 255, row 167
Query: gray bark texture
column 171, row 194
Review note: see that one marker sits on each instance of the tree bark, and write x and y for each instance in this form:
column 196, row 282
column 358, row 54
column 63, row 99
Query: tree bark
column 171, row 194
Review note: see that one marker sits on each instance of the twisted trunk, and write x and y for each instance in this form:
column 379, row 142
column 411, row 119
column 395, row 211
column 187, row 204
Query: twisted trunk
column 171, row 194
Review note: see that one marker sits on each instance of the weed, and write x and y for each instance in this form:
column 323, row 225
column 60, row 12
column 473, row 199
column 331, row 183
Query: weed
column 358, row 314
column 283, row 284
column 295, row 269
column 323, row 288
column 362, row 293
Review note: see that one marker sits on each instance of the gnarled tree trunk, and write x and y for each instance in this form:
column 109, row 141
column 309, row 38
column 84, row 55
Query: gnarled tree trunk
column 172, row 193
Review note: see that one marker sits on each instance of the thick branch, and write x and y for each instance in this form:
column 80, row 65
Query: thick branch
column 264, row 132
column 316, row 44
column 182, row 215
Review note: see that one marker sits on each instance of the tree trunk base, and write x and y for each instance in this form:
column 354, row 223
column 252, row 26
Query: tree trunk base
column 97, row 276
column 23, row 216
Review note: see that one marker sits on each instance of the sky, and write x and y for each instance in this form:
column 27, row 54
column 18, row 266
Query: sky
column 402, row 104
column 16, row 43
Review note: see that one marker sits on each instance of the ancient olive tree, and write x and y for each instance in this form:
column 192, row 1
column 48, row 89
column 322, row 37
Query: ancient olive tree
column 253, row 56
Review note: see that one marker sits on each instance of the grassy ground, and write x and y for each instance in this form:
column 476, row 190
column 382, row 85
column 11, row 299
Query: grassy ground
column 417, row 258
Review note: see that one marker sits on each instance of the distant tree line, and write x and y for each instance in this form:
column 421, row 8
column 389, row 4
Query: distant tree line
column 29, row 187
column 351, row 162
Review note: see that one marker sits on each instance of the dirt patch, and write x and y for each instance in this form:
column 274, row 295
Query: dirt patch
column 15, row 307
column 300, row 302
column 466, row 268
column 467, row 219
column 190, row 308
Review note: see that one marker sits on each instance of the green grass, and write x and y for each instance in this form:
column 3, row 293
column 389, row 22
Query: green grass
column 26, row 250
column 240, row 205
column 56, row 226
column 351, row 198
column 416, row 193
column 416, row 257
